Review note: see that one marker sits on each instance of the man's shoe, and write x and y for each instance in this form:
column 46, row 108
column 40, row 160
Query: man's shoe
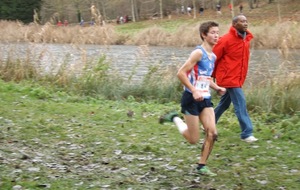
column 205, row 171
column 168, row 117
column 250, row 139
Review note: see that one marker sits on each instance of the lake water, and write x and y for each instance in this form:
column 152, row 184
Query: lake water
column 135, row 60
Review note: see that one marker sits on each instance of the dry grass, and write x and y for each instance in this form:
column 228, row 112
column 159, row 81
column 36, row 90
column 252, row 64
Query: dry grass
column 278, row 95
column 151, row 36
column 275, row 92
column 282, row 35
column 157, row 36
column 17, row 32
column 17, row 70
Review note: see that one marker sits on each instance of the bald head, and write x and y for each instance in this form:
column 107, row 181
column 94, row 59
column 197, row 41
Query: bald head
column 240, row 23
column 236, row 18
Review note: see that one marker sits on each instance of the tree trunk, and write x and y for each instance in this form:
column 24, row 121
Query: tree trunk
column 161, row 9
column 250, row 4
column 194, row 8
column 278, row 9
column 132, row 10
column 136, row 11
column 232, row 9
column 104, row 4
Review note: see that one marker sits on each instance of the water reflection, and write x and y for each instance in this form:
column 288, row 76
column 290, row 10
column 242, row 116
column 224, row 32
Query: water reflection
column 134, row 61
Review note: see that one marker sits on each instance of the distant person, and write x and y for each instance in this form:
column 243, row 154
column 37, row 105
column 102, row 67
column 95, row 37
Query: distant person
column 241, row 8
column 218, row 6
column 81, row 22
column 201, row 10
column 230, row 7
column 189, row 10
column 66, row 23
column 125, row 18
column 233, row 52
column 182, row 10
column 196, row 99
column 59, row 23
column 92, row 22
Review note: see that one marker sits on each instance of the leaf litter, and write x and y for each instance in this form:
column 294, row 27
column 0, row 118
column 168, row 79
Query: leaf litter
column 134, row 153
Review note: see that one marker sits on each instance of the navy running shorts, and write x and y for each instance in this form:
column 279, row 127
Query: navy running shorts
column 189, row 106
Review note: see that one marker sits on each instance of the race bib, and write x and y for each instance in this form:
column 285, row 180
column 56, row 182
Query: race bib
column 202, row 84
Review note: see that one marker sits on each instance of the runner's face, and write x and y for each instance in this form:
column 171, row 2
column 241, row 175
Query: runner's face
column 212, row 35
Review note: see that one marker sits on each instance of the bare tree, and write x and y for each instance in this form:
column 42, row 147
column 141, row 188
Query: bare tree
column 149, row 8
column 161, row 9
column 133, row 10
column 232, row 9
column 279, row 11
column 256, row 2
column 75, row 10
column 104, row 4
column 250, row 2
column 195, row 11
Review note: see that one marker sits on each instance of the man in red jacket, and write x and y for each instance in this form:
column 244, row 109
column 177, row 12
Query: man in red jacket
column 231, row 67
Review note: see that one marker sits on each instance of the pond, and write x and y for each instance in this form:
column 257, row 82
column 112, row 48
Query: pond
column 135, row 60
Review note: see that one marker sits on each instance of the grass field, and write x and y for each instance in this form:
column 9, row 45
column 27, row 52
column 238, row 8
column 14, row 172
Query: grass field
column 60, row 132
column 72, row 142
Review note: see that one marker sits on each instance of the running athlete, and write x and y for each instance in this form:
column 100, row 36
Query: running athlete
column 195, row 75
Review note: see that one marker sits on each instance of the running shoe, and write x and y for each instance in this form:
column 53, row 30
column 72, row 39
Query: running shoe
column 205, row 171
column 168, row 117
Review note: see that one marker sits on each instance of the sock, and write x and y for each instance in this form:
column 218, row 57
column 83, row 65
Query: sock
column 200, row 166
column 180, row 124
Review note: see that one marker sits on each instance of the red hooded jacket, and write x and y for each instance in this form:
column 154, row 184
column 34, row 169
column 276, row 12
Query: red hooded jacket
column 232, row 61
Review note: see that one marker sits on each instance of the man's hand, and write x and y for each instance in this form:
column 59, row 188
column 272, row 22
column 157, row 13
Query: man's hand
column 221, row 91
